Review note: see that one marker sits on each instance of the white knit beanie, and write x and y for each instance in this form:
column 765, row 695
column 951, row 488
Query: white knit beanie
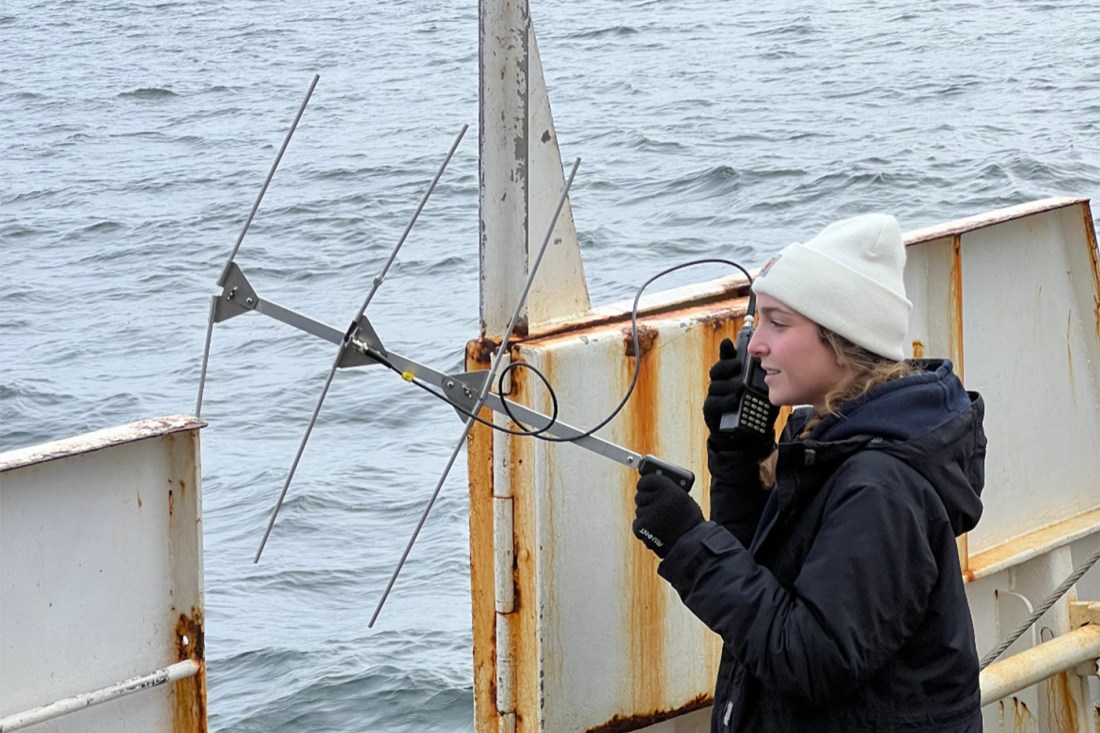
column 849, row 279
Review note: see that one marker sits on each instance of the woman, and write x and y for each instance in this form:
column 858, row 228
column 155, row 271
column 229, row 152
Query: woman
column 829, row 566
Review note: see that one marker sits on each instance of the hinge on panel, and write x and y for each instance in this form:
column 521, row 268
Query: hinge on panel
column 505, row 604
column 503, row 555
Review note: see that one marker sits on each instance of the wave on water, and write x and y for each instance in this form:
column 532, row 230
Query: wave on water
column 150, row 93
column 716, row 181
column 616, row 31
column 790, row 29
column 328, row 701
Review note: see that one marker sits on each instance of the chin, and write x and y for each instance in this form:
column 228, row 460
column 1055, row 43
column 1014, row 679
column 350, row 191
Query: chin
column 777, row 397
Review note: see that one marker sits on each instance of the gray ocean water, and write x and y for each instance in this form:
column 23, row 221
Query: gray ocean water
column 136, row 135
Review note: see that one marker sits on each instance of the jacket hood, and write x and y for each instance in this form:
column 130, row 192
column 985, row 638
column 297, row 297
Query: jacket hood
column 929, row 421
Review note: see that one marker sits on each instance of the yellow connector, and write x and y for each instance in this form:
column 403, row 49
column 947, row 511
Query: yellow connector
column 408, row 376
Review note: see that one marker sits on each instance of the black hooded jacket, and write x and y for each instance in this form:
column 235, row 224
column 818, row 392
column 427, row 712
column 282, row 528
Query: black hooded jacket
column 838, row 593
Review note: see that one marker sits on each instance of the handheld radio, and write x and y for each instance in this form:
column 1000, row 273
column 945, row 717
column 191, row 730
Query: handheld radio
column 755, row 414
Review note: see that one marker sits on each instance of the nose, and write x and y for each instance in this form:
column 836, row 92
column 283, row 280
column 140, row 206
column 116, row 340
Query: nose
column 756, row 344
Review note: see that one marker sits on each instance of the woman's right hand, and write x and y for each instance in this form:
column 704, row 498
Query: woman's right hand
column 723, row 396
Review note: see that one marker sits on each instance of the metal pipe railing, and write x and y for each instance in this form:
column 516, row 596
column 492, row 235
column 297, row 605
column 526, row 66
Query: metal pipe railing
column 171, row 673
column 1020, row 671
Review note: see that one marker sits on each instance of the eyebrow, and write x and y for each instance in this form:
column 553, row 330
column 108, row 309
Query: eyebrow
column 773, row 310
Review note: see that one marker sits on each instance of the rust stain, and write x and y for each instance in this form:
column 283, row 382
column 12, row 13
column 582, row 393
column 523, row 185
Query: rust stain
column 171, row 502
column 479, row 470
column 962, row 544
column 479, row 353
column 647, row 336
column 621, row 724
column 957, row 307
column 1022, row 720
column 645, row 594
column 139, row 500
column 190, row 636
column 918, row 349
column 711, row 342
column 1062, row 704
column 183, row 487
column 524, row 619
column 1094, row 259
column 1069, row 347
column 189, row 694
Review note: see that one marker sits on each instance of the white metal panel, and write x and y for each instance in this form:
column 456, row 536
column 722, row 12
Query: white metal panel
column 502, row 159
column 101, row 575
column 521, row 181
column 560, row 289
column 1023, row 329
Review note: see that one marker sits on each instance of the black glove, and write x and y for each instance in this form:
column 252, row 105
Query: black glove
column 724, row 395
column 664, row 512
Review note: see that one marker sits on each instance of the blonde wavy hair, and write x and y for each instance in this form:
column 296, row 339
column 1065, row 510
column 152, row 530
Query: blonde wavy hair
column 868, row 370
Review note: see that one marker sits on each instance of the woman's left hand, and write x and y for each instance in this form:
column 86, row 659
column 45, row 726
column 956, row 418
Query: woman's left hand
column 663, row 513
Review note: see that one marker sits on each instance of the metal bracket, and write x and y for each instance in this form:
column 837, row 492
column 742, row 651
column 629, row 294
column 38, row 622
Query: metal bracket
column 238, row 296
column 364, row 335
column 462, row 390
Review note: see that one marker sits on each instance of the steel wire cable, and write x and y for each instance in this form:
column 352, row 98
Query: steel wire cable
column 1043, row 608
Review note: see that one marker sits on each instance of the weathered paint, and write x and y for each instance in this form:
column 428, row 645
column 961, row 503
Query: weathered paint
column 84, row 505
column 1049, row 663
column 479, row 458
column 957, row 351
column 189, row 695
column 47, row 714
column 521, row 180
column 525, row 634
column 621, row 725
column 1019, row 549
column 97, row 440
column 543, row 619
column 646, row 604
column 986, row 219
column 1094, row 260
column 1022, row 720
column 1062, row 703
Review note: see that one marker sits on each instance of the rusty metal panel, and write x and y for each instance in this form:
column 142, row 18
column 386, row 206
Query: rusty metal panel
column 596, row 641
column 101, row 575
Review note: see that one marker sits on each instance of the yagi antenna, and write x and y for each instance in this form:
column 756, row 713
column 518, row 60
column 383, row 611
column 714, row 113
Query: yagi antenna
column 359, row 345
